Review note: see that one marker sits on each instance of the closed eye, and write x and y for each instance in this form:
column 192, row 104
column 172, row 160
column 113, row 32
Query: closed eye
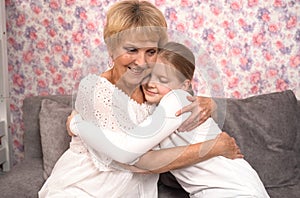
column 163, row 80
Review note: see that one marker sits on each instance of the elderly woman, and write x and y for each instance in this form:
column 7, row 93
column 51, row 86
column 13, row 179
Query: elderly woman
column 114, row 100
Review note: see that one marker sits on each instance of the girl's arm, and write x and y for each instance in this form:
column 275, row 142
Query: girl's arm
column 126, row 148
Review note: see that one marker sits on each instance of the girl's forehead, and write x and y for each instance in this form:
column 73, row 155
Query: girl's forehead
column 163, row 68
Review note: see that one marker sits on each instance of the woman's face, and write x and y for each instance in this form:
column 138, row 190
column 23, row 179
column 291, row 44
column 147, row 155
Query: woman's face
column 163, row 78
column 132, row 60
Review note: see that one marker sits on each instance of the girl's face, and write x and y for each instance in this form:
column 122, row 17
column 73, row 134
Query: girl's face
column 132, row 60
column 163, row 78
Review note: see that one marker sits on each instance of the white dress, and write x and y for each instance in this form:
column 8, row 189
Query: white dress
column 83, row 172
column 216, row 177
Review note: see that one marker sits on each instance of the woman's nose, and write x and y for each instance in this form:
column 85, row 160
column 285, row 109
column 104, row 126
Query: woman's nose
column 140, row 59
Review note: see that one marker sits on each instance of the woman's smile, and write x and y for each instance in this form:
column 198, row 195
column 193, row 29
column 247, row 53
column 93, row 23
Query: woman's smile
column 136, row 70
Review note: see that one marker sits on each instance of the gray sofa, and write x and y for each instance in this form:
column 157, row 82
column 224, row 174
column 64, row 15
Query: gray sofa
column 266, row 127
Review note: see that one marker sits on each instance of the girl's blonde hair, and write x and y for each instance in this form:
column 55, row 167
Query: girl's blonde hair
column 181, row 59
column 134, row 17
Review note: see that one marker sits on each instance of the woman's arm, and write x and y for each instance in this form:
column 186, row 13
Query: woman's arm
column 128, row 149
column 181, row 156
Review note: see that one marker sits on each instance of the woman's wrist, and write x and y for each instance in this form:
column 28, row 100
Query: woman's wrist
column 209, row 149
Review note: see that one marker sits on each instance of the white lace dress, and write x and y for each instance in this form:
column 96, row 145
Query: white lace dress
column 80, row 172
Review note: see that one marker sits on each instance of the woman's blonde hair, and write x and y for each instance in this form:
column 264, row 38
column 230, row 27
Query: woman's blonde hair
column 132, row 17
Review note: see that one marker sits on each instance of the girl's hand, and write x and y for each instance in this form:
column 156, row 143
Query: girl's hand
column 226, row 146
column 69, row 121
column 201, row 108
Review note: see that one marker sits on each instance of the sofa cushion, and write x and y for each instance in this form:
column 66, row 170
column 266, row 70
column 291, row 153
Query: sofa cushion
column 285, row 191
column 54, row 137
column 265, row 128
column 31, row 109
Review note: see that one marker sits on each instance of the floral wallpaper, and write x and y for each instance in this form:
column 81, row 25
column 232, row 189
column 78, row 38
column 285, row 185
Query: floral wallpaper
column 252, row 46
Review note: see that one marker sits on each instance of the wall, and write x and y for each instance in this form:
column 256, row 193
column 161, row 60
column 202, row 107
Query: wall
column 253, row 46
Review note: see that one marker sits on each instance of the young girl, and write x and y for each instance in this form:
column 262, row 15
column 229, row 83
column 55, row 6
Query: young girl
column 167, row 87
column 216, row 177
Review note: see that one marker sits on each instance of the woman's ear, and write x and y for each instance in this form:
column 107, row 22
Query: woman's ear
column 186, row 85
column 110, row 54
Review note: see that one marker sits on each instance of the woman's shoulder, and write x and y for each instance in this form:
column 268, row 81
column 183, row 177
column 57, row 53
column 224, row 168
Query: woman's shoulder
column 93, row 79
column 93, row 83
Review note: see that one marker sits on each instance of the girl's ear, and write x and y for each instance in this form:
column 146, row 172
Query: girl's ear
column 186, row 84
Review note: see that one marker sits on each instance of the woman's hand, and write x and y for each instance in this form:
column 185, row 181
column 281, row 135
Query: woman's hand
column 226, row 146
column 69, row 121
column 201, row 108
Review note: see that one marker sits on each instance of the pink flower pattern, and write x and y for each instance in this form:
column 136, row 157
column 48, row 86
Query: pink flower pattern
column 253, row 47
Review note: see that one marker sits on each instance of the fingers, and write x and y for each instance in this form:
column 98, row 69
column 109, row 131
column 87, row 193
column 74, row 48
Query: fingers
column 237, row 152
column 240, row 156
column 185, row 109
column 68, row 123
column 194, row 121
column 188, row 125
column 192, row 98
column 73, row 113
column 200, row 109
column 203, row 116
column 191, row 121
column 233, row 151
column 189, row 107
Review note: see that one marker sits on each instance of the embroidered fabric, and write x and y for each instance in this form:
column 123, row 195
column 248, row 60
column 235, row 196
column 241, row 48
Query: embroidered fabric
column 76, row 146
column 108, row 107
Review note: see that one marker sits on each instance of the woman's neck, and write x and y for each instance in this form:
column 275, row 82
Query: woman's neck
column 133, row 91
